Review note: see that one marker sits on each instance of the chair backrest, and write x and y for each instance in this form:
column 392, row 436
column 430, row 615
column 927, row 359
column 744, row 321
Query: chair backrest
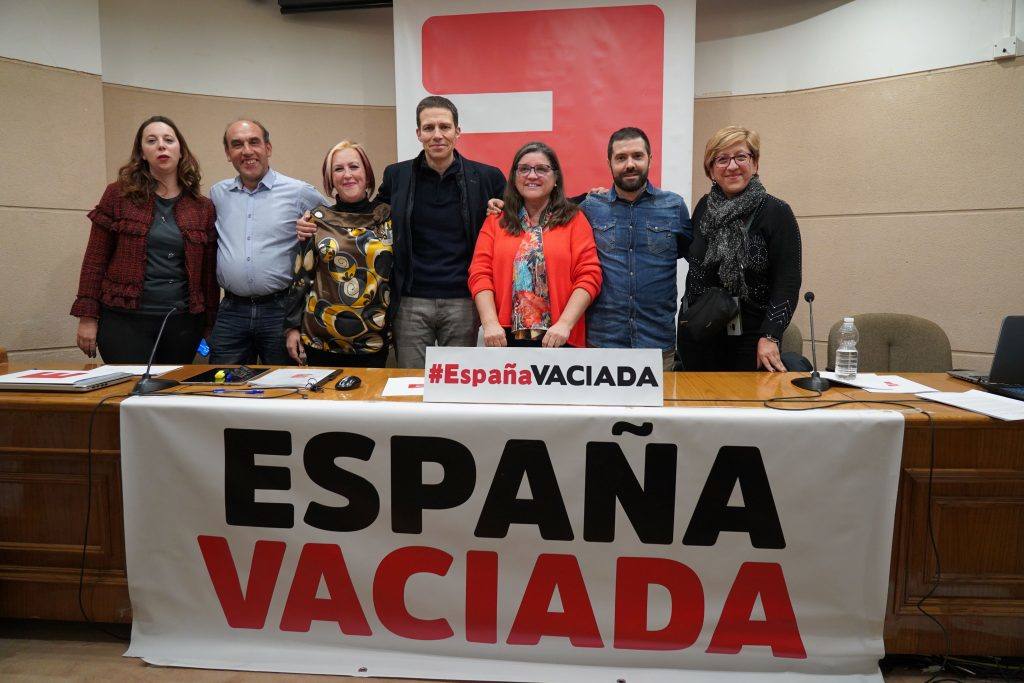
column 792, row 340
column 896, row 342
column 3, row 355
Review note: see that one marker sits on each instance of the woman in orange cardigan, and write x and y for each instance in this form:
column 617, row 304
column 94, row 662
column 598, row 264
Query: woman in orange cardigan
column 535, row 268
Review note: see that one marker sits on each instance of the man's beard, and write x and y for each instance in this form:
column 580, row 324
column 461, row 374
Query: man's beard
column 631, row 185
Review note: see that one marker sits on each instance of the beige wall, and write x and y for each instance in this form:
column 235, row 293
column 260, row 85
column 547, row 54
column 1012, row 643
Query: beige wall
column 64, row 136
column 917, row 176
column 908, row 191
column 300, row 133
column 52, row 156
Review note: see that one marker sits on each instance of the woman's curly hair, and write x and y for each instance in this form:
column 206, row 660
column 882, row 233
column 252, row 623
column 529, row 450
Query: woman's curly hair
column 137, row 182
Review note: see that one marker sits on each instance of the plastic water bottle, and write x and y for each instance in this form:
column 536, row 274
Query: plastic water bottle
column 846, row 354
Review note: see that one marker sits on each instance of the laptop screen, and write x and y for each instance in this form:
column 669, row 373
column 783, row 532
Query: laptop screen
column 1008, row 363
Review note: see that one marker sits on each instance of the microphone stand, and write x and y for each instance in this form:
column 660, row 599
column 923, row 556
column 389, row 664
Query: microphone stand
column 148, row 384
column 815, row 382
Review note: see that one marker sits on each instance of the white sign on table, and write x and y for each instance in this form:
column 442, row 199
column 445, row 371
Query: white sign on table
column 600, row 377
column 527, row 543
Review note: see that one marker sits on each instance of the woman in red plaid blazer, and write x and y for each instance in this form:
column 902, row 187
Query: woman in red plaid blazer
column 152, row 248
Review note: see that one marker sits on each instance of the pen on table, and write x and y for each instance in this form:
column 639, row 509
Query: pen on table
column 238, row 391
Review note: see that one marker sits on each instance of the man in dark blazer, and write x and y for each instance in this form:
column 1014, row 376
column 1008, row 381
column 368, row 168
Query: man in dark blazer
column 438, row 204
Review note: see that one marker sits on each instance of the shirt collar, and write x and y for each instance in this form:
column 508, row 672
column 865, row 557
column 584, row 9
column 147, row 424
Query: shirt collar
column 421, row 164
column 266, row 182
column 649, row 190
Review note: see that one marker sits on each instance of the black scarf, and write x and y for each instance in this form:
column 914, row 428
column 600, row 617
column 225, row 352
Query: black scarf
column 723, row 230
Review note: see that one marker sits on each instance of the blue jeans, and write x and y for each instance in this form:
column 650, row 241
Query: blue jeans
column 247, row 333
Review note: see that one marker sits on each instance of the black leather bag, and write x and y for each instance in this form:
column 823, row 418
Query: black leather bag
column 707, row 316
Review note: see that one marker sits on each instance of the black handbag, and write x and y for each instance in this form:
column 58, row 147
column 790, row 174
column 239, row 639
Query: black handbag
column 707, row 316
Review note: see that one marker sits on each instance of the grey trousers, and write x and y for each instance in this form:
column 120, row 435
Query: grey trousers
column 420, row 323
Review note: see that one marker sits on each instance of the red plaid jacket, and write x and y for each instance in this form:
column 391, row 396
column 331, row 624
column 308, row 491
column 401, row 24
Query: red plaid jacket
column 115, row 259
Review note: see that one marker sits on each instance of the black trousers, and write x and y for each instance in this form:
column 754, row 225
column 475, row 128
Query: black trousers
column 128, row 337
column 527, row 343
column 721, row 354
column 327, row 359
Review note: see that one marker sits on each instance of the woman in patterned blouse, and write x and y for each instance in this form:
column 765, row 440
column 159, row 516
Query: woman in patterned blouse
column 535, row 267
column 339, row 302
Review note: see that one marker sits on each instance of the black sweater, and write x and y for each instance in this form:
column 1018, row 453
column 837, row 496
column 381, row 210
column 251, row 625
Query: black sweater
column 773, row 267
column 477, row 183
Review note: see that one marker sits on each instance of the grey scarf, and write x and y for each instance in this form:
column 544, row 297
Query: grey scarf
column 723, row 229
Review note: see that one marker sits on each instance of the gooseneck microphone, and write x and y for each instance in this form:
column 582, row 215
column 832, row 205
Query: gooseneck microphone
column 148, row 384
column 815, row 382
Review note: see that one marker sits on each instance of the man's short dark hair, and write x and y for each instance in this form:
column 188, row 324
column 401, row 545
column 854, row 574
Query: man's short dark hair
column 266, row 133
column 437, row 102
column 628, row 133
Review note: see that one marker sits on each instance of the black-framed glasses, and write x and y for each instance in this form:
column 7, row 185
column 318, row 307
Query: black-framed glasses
column 741, row 159
column 541, row 170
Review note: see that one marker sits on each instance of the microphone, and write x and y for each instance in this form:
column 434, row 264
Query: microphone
column 815, row 382
column 148, row 384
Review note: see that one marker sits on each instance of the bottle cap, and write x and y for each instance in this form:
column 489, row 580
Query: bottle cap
column 847, row 320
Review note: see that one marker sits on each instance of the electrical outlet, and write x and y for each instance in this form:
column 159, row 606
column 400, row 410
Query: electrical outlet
column 1006, row 48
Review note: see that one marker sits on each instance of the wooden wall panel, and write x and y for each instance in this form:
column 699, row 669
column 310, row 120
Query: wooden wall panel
column 906, row 194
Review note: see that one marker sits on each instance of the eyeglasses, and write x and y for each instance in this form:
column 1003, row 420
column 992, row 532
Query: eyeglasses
column 741, row 159
column 540, row 169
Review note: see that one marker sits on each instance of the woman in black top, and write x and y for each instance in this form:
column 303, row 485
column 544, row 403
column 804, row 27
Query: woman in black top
column 747, row 242
column 152, row 249
column 341, row 290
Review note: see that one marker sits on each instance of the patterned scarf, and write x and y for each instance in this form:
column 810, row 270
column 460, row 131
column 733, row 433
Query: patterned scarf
column 723, row 230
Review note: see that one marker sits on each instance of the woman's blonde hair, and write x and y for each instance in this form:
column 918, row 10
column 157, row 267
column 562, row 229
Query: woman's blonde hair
column 727, row 137
column 329, row 163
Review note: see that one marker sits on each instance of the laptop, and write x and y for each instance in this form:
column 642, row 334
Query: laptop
column 69, row 381
column 1006, row 377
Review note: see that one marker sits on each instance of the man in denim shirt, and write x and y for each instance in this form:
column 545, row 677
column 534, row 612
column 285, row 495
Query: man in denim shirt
column 640, row 232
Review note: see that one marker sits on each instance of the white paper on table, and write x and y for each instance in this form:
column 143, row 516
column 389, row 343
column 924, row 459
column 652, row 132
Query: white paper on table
column 993, row 405
column 403, row 386
column 291, row 377
column 894, row 384
column 885, row 384
column 140, row 369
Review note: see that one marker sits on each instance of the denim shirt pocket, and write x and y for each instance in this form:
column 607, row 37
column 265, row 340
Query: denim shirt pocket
column 660, row 239
column 604, row 235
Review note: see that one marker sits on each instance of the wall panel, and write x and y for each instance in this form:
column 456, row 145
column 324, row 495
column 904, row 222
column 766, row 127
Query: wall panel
column 247, row 48
column 300, row 134
column 42, row 256
column 907, row 190
column 51, row 150
column 52, row 156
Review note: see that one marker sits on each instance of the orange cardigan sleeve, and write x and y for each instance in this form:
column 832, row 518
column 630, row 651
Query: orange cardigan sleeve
column 586, row 268
column 481, row 269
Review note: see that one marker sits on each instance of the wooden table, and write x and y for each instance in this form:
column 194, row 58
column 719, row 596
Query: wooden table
column 976, row 502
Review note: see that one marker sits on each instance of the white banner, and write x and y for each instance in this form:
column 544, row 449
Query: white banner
column 508, row 543
column 597, row 377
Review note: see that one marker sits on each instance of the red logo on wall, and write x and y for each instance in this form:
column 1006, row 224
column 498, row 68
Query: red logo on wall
column 604, row 67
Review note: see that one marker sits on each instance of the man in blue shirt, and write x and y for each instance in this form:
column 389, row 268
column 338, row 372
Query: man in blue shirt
column 641, row 231
column 256, row 248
